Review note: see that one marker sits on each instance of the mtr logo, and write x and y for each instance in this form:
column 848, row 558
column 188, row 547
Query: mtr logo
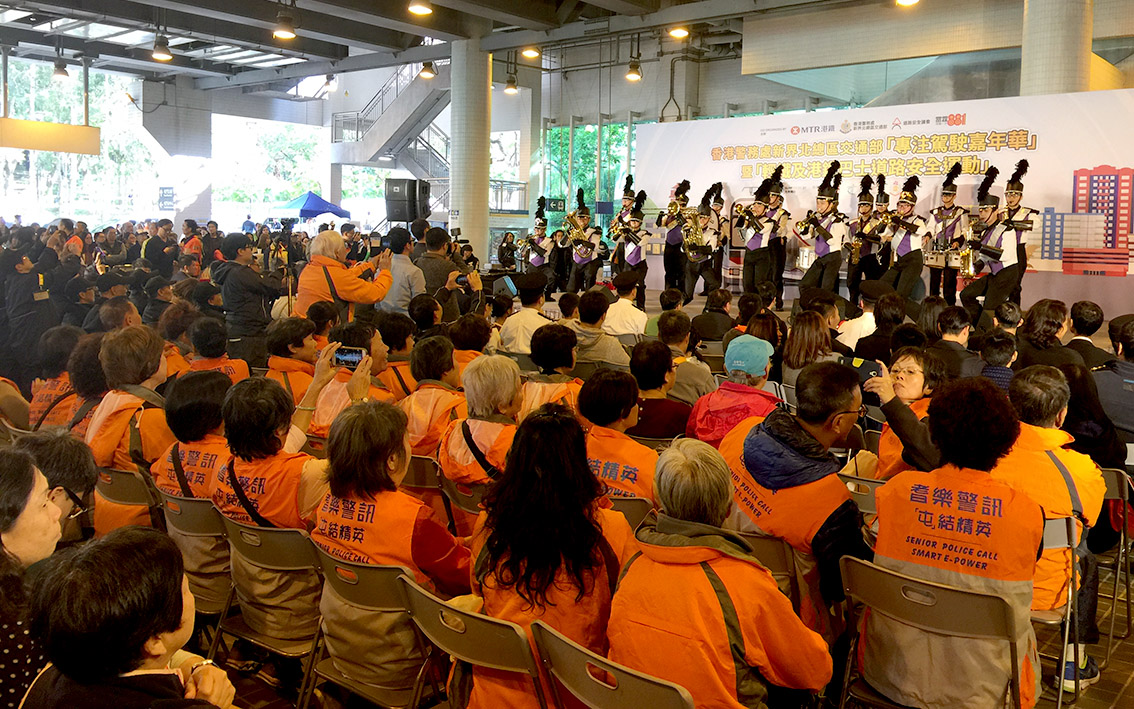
column 796, row 130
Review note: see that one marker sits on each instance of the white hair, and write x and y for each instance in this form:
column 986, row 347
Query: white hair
column 693, row 482
column 490, row 382
column 327, row 243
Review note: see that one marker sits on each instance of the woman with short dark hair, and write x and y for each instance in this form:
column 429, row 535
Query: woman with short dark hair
column 52, row 394
column 85, row 370
column 1038, row 339
column 553, row 351
column 652, row 365
column 906, row 390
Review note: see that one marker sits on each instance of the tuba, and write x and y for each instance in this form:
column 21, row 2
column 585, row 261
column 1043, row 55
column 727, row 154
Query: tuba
column 577, row 236
column 692, row 236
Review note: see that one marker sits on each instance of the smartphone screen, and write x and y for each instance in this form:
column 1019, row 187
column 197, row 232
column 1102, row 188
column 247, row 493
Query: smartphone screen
column 349, row 357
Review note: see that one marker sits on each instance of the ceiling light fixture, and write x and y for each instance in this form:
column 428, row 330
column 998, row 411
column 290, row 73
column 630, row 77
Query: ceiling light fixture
column 906, row 3
column 427, row 71
column 60, row 72
column 330, row 84
column 634, row 71
column 510, row 88
column 530, row 53
column 285, row 25
column 679, row 33
column 420, row 8
column 161, row 51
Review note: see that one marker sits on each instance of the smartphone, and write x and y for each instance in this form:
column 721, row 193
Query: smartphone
column 349, row 357
column 463, row 280
column 866, row 368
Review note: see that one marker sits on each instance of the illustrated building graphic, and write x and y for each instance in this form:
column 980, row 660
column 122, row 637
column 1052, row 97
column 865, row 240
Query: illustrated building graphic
column 1103, row 198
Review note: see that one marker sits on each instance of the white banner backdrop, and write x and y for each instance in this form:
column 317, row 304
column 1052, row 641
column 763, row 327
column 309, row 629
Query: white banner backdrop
column 1079, row 147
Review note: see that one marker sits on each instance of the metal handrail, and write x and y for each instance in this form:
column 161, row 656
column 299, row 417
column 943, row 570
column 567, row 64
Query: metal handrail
column 352, row 126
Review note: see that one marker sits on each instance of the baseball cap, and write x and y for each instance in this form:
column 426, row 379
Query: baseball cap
column 203, row 291
column 748, row 354
column 155, row 284
column 1117, row 324
column 76, row 287
column 109, row 280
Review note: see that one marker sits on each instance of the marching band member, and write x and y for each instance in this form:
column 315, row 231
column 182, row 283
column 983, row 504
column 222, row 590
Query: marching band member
column 760, row 229
column 882, row 212
column 584, row 243
column 1019, row 219
column 777, row 213
column 824, row 230
column 634, row 238
column 864, row 235
column 908, row 233
column 539, row 247
column 998, row 252
column 718, row 224
column 699, row 259
column 950, row 223
column 618, row 260
column 673, row 261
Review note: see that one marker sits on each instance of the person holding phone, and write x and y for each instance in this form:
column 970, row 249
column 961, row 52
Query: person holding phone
column 360, row 355
column 327, row 277
column 905, row 390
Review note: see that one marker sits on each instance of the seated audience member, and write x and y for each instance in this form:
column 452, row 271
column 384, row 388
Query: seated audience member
column 693, row 378
column 623, row 317
column 53, row 397
column 367, row 459
column 609, row 400
column 276, row 489
column 594, row 344
column 188, row 268
column 830, row 312
column 808, row 341
column 567, row 579
column 1039, row 336
column 325, row 317
column 553, row 351
column 470, row 335
column 79, row 298
column 210, row 341
column 667, row 620
column 117, row 313
column 327, row 277
column 889, row 312
column 712, row 324
column 651, row 363
column 1115, row 398
column 569, row 309
column 173, row 326
column 908, row 335
column 397, row 331
column 292, row 353
column 208, row 300
column 29, row 530
column 904, row 390
column 851, row 331
column 426, row 314
column 516, row 332
column 499, row 310
column 1008, row 316
column 70, row 470
column 747, row 361
column 160, row 294
column 120, row 649
column 129, row 415
column 747, row 305
column 974, row 426
column 998, row 352
column 771, row 329
column 954, row 327
column 1086, row 319
column 670, row 299
column 785, row 483
column 438, row 398
column 85, row 370
column 190, row 468
column 1040, row 466
column 351, row 385
column 110, row 285
column 931, row 309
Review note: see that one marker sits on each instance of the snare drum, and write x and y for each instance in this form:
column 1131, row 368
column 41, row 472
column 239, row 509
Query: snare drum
column 953, row 259
column 805, row 258
column 935, row 259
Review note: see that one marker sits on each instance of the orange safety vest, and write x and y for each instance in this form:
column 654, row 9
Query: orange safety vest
column 1030, row 469
column 890, row 449
column 350, row 284
column 292, row 374
column 175, row 363
column 236, row 369
column 962, row 528
column 334, row 398
column 542, row 389
column 493, row 440
column 397, row 378
column 624, row 466
column 430, row 409
column 271, row 485
column 52, row 402
column 462, row 358
column 200, row 463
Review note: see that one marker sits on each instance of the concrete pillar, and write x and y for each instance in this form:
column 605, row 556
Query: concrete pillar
column 333, row 186
column 1056, row 52
column 470, row 156
column 531, row 159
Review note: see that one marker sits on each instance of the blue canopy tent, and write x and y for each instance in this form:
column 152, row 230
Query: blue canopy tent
column 311, row 205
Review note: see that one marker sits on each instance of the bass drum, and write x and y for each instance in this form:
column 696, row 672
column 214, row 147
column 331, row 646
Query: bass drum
column 935, row 259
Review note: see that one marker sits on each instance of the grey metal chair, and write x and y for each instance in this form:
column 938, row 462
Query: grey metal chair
column 524, row 361
column 862, row 492
column 315, row 447
column 775, row 388
column 572, row 665
column 259, row 371
column 424, row 476
column 465, row 501
column 1118, row 488
column 472, row 637
column 629, row 340
column 712, row 347
column 715, row 362
column 634, row 509
column 1063, row 533
column 657, row 444
column 778, row 557
column 871, row 439
column 197, row 518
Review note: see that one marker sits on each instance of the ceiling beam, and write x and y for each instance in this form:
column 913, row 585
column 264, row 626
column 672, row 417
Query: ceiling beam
column 626, row 7
column 522, row 13
column 441, row 24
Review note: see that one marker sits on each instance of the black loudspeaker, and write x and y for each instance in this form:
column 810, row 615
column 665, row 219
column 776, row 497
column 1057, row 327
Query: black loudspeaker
column 401, row 200
column 423, row 210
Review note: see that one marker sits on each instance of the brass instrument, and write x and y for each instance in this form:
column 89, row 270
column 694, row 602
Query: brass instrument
column 968, row 262
column 692, row 235
column 577, row 236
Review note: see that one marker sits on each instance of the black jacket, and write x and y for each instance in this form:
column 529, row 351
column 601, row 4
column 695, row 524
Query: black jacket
column 247, row 297
column 54, row 690
column 1094, row 357
column 959, row 362
column 712, row 325
column 1028, row 354
column 155, row 253
column 76, row 313
column 153, row 311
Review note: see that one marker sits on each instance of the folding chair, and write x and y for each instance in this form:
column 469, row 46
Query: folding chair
column 124, row 487
column 1118, row 488
column 273, row 550
column 584, row 370
column 875, row 419
column 524, row 361
column 1063, row 533
column 193, row 517
column 629, row 340
column 575, row 667
column 474, row 638
column 789, row 397
column 315, row 447
column 775, row 388
column 862, row 492
column 464, row 501
column 658, row 444
column 259, row 371
column 371, row 588
column 715, row 362
column 778, row 557
column 712, row 347
column 854, row 442
column 931, row 607
column 634, row 509
column 871, row 439
column 423, row 480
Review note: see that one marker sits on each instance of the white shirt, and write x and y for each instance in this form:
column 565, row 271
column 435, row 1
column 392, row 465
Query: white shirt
column 622, row 318
column 852, row 330
column 516, row 333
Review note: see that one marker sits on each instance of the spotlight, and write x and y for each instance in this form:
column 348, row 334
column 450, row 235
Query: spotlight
column 330, row 84
column 510, row 88
column 634, row 71
column 420, row 7
column 427, row 71
column 530, row 53
column 161, row 49
column 285, row 25
column 906, row 3
column 60, row 73
column 679, row 33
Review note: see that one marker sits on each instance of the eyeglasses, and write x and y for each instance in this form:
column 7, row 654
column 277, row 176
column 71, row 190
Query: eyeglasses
column 859, row 413
column 77, row 502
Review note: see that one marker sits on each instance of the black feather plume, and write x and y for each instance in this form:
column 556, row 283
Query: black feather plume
column 629, row 183
column 867, row 184
column 705, row 200
column 911, row 184
column 778, row 173
column 640, row 201
column 838, row 181
column 541, row 205
column 831, row 170
column 986, row 184
column 718, row 189
column 1021, row 170
column 579, row 199
column 954, row 173
column 681, row 189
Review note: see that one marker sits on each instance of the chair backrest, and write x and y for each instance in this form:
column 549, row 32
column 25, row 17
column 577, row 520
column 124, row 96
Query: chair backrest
column 125, row 488
column 472, row 637
column 315, row 447
column 862, row 492
column 269, row 548
column 657, row 444
column 871, row 439
column 620, row 688
column 584, row 370
column 874, row 414
column 259, row 371
column 715, row 362
column 634, row 509
column 629, row 339
column 524, row 361
column 465, row 501
column 1060, row 533
column 778, row 558
column 191, row 516
column 775, row 388
column 789, row 394
column 369, row 587
column 712, row 347
column 423, row 474
column 1117, row 484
